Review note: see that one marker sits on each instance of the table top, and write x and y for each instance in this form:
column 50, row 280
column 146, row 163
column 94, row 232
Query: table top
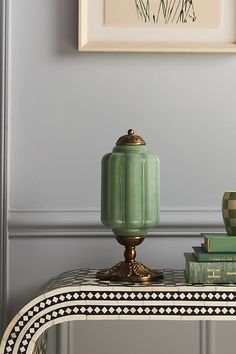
column 169, row 298
column 86, row 277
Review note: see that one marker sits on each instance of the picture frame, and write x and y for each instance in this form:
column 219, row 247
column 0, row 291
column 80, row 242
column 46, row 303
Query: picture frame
column 94, row 35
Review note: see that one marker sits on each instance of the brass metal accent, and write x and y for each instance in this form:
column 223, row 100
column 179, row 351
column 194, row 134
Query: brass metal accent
column 129, row 270
column 130, row 139
column 214, row 275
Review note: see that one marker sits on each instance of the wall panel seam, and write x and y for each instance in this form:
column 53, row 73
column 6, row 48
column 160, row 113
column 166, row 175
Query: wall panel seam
column 202, row 337
column 3, row 166
column 63, row 340
column 210, row 338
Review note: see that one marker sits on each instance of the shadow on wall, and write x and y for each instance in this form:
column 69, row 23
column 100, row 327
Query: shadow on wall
column 67, row 26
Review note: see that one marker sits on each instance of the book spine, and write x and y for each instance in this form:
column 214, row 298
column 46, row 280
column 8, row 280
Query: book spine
column 211, row 257
column 211, row 272
column 220, row 245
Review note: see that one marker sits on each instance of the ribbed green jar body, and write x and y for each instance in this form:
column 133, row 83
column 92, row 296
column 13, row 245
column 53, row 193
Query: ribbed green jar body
column 130, row 190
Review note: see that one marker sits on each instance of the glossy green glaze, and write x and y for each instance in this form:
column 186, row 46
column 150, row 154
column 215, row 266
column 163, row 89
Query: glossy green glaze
column 130, row 190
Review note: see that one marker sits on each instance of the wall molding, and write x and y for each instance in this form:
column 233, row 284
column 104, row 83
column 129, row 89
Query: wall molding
column 65, row 338
column 210, row 333
column 207, row 337
column 203, row 340
column 83, row 223
column 4, row 18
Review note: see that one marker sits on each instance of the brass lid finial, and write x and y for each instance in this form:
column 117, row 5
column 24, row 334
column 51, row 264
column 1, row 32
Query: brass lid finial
column 130, row 139
column 130, row 132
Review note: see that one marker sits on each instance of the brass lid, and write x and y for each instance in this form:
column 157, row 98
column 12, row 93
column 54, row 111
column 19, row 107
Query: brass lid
column 130, row 139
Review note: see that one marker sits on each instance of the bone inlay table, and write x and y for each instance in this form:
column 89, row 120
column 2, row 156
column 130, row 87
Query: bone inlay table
column 78, row 295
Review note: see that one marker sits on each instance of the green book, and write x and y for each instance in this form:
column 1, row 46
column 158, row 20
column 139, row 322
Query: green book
column 221, row 243
column 204, row 256
column 209, row 272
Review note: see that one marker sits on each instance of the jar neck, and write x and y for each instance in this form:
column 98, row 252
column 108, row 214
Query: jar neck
column 130, row 149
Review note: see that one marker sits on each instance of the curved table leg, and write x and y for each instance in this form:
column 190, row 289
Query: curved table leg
column 35, row 318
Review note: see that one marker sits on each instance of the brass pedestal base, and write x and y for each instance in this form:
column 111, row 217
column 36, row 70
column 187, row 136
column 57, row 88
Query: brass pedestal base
column 129, row 270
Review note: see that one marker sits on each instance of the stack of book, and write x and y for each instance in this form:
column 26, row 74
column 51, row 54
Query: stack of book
column 213, row 262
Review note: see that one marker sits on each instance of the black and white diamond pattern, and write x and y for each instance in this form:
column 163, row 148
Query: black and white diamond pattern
column 172, row 297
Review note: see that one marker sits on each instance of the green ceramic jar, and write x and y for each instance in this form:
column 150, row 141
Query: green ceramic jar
column 130, row 187
column 229, row 212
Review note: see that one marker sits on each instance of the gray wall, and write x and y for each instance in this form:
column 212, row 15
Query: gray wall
column 66, row 109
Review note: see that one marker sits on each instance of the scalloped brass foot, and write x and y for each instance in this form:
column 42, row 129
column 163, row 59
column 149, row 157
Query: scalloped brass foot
column 132, row 272
column 129, row 270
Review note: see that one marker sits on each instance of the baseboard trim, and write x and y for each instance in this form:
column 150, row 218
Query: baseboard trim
column 87, row 223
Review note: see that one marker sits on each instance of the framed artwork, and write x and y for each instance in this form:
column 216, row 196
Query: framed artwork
column 157, row 26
